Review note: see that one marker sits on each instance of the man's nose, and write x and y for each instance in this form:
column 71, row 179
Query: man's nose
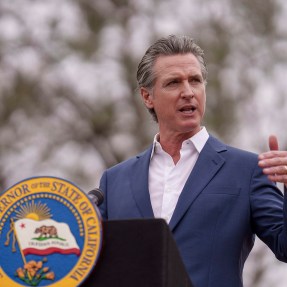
column 187, row 90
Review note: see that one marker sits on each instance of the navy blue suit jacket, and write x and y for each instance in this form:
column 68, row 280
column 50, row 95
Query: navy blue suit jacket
column 225, row 201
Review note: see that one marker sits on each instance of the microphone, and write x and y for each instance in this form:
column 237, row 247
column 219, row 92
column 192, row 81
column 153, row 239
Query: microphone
column 96, row 195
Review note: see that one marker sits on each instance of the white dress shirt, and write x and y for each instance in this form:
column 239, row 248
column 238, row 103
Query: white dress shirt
column 166, row 180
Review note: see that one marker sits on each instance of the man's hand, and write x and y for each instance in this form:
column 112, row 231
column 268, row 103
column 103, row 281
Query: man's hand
column 274, row 162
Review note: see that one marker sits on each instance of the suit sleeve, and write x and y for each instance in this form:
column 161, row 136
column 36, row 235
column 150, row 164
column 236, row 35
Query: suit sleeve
column 269, row 215
column 103, row 187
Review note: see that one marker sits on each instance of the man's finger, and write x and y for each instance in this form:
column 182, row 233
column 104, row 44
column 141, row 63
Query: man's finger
column 273, row 143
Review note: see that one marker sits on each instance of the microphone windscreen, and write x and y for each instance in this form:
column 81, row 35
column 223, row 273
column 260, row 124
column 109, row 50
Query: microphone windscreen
column 97, row 196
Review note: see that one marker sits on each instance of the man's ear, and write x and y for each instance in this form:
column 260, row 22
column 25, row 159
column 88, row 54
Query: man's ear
column 147, row 97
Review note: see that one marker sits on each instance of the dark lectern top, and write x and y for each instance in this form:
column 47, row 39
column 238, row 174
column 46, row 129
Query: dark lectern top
column 138, row 253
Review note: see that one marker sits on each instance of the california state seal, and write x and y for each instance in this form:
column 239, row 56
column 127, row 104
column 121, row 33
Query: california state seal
column 50, row 234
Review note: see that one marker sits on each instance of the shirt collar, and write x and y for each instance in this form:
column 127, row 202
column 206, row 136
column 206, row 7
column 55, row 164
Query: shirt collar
column 198, row 140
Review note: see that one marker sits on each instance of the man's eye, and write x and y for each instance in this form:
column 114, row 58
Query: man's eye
column 195, row 80
column 173, row 82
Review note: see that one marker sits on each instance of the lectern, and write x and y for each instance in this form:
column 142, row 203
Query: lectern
column 138, row 253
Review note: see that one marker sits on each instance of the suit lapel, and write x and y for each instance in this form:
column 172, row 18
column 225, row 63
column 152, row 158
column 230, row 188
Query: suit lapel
column 139, row 184
column 208, row 164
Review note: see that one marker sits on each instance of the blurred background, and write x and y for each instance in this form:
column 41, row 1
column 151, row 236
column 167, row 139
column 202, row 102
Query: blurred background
column 68, row 101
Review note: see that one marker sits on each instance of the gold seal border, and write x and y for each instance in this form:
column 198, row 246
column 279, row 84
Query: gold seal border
column 53, row 186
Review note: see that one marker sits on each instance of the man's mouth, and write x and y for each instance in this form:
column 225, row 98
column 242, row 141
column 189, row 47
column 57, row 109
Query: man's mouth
column 187, row 109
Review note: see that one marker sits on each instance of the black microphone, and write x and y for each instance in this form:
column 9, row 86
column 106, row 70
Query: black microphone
column 96, row 195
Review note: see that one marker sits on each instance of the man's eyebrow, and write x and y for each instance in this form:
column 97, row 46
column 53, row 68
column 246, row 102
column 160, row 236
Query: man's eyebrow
column 197, row 75
column 171, row 78
column 173, row 75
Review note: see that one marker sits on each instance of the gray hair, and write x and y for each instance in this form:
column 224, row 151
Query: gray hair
column 171, row 45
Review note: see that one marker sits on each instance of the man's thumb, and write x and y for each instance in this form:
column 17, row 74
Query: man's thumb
column 273, row 143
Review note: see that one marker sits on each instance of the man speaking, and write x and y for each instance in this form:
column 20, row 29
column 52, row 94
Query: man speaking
column 215, row 198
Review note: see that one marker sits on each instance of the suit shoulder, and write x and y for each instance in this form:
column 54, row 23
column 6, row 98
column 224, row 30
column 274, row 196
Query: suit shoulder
column 229, row 150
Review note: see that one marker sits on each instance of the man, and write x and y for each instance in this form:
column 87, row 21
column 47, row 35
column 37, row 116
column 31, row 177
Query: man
column 214, row 197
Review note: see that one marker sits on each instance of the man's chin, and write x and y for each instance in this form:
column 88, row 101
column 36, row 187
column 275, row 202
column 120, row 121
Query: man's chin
column 191, row 129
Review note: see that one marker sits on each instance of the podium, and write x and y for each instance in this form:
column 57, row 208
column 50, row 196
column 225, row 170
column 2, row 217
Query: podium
column 138, row 253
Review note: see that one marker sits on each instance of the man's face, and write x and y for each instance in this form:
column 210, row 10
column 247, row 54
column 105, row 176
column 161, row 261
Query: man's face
column 178, row 96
